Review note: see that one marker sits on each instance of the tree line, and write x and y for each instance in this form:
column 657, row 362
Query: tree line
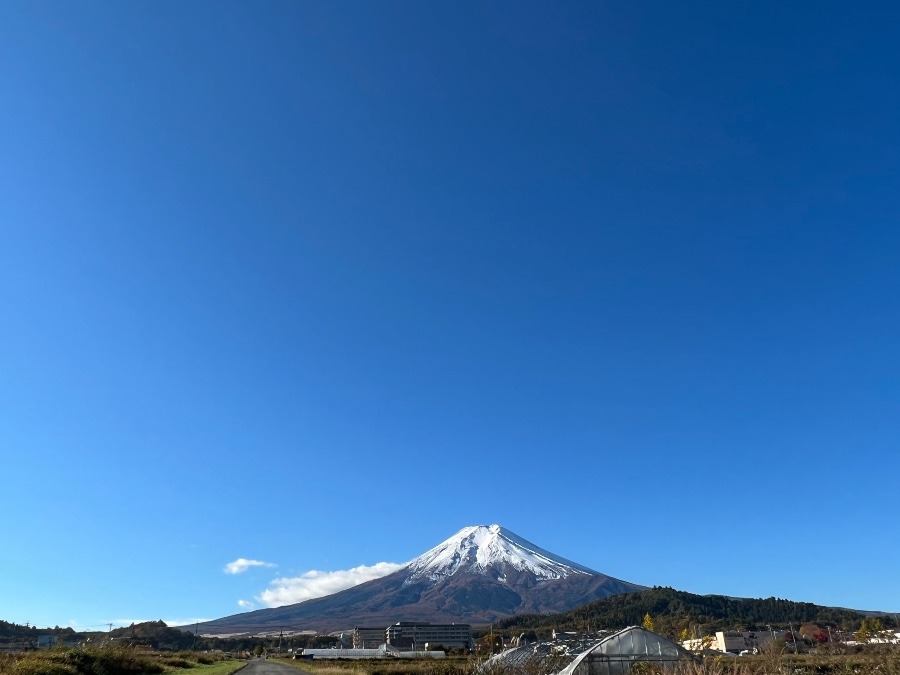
column 676, row 613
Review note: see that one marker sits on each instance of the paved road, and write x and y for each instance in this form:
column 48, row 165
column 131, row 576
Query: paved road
column 266, row 667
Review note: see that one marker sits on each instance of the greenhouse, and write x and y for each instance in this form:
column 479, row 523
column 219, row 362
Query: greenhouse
column 615, row 654
column 595, row 653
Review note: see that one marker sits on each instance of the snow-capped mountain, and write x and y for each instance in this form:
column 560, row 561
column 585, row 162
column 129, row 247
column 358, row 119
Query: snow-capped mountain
column 483, row 547
column 481, row 574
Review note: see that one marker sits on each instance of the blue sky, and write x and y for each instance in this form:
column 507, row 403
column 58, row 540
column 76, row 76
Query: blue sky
column 318, row 284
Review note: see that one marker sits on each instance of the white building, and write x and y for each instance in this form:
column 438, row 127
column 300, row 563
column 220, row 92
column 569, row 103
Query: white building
column 734, row 641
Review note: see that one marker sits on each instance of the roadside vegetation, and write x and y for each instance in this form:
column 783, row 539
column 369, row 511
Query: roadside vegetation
column 882, row 661
column 448, row 666
column 115, row 660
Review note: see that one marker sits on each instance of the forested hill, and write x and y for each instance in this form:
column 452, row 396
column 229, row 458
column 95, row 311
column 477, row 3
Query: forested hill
column 674, row 611
column 155, row 634
column 28, row 632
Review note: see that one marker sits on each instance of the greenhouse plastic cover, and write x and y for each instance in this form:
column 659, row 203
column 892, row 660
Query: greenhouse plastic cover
column 615, row 654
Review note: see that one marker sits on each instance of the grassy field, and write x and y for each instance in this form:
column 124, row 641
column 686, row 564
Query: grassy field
column 883, row 663
column 114, row 661
column 124, row 661
column 221, row 668
column 450, row 666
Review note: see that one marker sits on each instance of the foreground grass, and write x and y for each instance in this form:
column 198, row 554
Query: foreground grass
column 221, row 668
column 113, row 661
column 121, row 660
column 451, row 666
column 887, row 663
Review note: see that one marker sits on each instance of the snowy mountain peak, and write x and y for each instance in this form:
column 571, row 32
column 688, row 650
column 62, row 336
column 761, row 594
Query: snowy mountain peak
column 481, row 547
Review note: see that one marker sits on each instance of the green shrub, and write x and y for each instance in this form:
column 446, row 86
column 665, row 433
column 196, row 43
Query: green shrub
column 110, row 661
column 41, row 666
column 176, row 662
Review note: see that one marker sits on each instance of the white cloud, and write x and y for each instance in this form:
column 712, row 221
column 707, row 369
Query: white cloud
column 315, row 584
column 243, row 564
column 246, row 604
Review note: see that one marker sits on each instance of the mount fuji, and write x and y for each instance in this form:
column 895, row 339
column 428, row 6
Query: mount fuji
column 481, row 574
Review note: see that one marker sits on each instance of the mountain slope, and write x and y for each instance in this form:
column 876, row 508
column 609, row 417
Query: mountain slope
column 479, row 575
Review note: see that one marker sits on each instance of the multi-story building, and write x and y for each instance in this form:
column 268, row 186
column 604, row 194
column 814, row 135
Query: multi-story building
column 415, row 635
column 368, row 638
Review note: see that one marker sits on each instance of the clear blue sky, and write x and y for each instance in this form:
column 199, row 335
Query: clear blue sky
column 318, row 284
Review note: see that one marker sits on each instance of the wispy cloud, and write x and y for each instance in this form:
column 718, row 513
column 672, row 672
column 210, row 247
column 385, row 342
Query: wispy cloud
column 243, row 564
column 315, row 584
column 246, row 604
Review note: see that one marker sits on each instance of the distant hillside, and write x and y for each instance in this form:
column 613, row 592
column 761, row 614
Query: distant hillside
column 673, row 611
column 14, row 637
column 14, row 630
column 155, row 634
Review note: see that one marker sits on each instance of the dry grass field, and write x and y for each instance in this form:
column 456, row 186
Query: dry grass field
column 114, row 661
column 124, row 661
column 885, row 662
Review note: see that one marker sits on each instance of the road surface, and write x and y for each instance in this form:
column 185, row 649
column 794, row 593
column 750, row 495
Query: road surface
column 267, row 667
